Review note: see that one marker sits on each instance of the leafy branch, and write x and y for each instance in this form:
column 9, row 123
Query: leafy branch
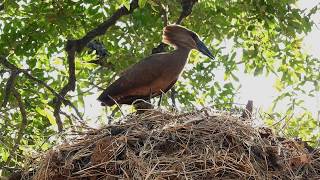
column 15, row 71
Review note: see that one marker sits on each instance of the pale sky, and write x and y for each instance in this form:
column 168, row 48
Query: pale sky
column 259, row 89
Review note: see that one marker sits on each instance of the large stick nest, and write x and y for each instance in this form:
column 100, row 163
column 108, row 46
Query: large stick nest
column 199, row 145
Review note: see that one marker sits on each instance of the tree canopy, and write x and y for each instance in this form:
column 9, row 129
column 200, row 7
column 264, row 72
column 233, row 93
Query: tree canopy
column 47, row 66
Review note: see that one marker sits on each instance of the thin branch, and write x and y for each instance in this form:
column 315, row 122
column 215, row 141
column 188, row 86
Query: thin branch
column 74, row 46
column 23, row 124
column 9, row 86
column 164, row 12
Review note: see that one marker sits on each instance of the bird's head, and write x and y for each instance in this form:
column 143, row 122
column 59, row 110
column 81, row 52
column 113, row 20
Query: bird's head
column 179, row 36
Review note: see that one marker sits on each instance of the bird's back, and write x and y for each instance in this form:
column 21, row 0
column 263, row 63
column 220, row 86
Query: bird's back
column 147, row 78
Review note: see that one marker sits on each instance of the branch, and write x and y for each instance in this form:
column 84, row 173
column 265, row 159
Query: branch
column 74, row 46
column 23, row 122
column 9, row 87
column 14, row 68
column 164, row 12
column 187, row 6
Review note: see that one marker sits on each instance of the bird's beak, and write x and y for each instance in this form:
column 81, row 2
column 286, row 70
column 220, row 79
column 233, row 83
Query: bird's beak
column 203, row 49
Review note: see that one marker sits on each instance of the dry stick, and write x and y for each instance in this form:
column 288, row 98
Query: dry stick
column 74, row 46
column 247, row 112
column 23, row 123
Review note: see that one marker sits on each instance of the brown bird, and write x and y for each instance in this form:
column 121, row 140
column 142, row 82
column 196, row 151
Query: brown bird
column 157, row 73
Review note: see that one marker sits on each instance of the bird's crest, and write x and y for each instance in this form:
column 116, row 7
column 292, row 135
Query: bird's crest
column 179, row 36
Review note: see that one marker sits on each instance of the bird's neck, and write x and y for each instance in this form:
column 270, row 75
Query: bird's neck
column 183, row 55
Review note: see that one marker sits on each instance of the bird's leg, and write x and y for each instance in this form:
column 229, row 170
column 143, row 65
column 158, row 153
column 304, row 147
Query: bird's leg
column 150, row 95
column 113, row 113
column 173, row 97
column 160, row 99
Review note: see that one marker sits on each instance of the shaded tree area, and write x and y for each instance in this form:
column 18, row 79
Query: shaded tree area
column 54, row 53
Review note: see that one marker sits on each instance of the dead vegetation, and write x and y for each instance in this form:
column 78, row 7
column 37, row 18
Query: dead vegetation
column 199, row 145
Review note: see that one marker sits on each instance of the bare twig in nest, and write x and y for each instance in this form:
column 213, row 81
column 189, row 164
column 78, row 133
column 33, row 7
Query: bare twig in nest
column 247, row 112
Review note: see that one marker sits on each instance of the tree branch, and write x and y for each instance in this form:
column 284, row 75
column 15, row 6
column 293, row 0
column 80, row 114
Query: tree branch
column 24, row 122
column 14, row 68
column 74, row 46
column 9, row 86
column 187, row 6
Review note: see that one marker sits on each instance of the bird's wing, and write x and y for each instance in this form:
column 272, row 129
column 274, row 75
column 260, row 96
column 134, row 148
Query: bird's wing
column 139, row 75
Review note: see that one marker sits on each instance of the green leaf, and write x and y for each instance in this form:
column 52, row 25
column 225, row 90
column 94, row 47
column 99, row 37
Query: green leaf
column 126, row 4
column 50, row 117
column 234, row 77
column 142, row 3
column 48, row 114
column 278, row 85
column 4, row 154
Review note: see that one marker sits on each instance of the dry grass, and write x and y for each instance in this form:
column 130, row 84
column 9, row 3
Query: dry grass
column 199, row 145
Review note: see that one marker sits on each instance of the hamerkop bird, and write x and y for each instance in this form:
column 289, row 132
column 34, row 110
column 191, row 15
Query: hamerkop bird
column 157, row 73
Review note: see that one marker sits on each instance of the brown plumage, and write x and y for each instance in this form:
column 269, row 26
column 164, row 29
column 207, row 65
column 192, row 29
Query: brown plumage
column 156, row 73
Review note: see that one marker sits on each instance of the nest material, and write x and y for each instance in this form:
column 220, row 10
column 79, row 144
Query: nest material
column 199, row 145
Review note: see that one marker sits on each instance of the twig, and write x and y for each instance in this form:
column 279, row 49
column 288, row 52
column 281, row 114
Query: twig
column 74, row 46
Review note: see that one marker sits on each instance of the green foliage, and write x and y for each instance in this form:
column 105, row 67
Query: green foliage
column 33, row 35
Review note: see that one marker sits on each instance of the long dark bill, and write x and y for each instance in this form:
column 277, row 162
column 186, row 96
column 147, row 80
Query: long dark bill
column 204, row 50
